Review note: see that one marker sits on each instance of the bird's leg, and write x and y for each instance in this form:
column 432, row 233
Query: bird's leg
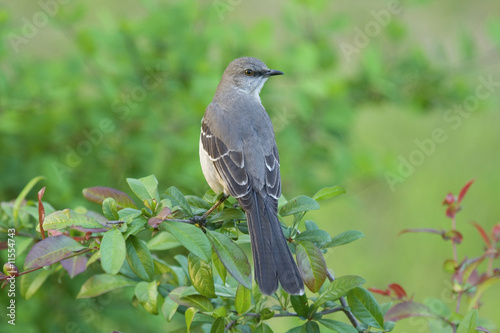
column 203, row 218
column 214, row 207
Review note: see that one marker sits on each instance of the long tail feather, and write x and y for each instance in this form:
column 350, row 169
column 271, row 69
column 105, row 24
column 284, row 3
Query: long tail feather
column 273, row 260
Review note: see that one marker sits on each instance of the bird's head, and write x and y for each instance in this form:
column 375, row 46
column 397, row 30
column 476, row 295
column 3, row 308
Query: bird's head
column 248, row 75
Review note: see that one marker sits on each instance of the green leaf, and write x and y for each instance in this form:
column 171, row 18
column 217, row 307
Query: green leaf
column 145, row 188
column 113, row 251
column 264, row 328
column 299, row 204
column 129, row 214
column 189, row 316
column 219, row 312
column 228, row 214
column 233, row 258
column 311, row 225
column 328, row 193
column 139, row 258
column 338, row 288
column 66, row 218
column 300, row 305
column 183, row 261
column 312, row 265
column 176, row 199
column 198, row 301
column 169, row 309
column 110, row 209
column 218, row 326
column 219, row 266
column 365, row 307
column 31, row 282
column 191, row 237
column 345, row 238
column 98, row 194
column 243, row 299
column 315, row 236
column 338, row 326
column 162, row 241
column 95, row 256
column 51, row 250
column 198, row 202
column 147, row 294
column 103, row 283
column 469, row 323
column 223, row 291
column 310, row 327
column 200, row 272
column 135, row 226
column 24, row 192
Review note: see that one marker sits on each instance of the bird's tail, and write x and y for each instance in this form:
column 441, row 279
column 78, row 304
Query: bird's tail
column 273, row 260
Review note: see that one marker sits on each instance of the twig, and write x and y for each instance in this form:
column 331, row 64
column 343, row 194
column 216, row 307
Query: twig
column 228, row 326
column 183, row 221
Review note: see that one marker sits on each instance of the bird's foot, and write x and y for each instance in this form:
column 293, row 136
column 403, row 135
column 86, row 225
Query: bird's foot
column 200, row 220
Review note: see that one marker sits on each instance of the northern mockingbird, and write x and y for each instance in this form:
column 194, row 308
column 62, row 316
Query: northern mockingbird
column 239, row 157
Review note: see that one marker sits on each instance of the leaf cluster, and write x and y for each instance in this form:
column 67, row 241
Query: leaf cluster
column 179, row 265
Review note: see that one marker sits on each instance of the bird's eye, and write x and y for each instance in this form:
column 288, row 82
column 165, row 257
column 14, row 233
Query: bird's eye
column 248, row 72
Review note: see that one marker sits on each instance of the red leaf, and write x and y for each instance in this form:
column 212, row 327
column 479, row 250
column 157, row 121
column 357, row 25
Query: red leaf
column 406, row 310
column 464, row 190
column 156, row 220
column 75, row 265
column 400, row 292
column 386, row 292
column 41, row 211
column 483, row 234
column 52, row 233
column 97, row 194
column 51, row 250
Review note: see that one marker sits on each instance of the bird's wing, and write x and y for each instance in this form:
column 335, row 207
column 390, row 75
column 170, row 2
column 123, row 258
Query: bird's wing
column 273, row 178
column 240, row 170
column 230, row 164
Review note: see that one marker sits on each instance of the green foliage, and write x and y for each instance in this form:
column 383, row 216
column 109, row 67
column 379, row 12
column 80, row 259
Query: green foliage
column 211, row 281
column 101, row 94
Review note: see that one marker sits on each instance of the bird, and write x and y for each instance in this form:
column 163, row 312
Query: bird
column 239, row 157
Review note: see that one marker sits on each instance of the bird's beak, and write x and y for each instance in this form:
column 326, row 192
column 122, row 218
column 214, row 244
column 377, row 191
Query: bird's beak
column 273, row 72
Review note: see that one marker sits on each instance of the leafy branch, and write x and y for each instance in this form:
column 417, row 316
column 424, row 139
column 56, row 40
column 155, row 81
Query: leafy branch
column 212, row 280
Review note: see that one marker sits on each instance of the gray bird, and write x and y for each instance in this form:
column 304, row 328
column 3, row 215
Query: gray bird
column 239, row 157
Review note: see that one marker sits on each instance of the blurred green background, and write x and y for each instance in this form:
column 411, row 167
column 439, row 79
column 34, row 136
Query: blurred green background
column 93, row 92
